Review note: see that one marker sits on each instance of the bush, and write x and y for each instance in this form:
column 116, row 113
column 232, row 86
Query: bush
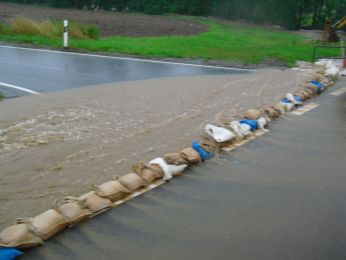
column 23, row 25
column 93, row 31
column 1, row 96
column 51, row 29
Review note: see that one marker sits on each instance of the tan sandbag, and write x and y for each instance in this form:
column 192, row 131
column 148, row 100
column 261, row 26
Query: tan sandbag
column 94, row 202
column 112, row 190
column 208, row 143
column 301, row 95
column 19, row 236
column 271, row 112
column 277, row 108
column 149, row 172
column 174, row 158
column 73, row 209
column 190, row 155
column 311, row 89
column 46, row 224
column 252, row 114
column 132, row 181
column 308, row 93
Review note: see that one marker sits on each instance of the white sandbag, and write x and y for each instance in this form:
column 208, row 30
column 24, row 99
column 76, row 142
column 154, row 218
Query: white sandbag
column 94, row 202
column 46, row 224
column 132, row 181
column 166, row 170
column 287, row 106
column 19, row 236
column 72, row 209
column 112, row 190
column 219, row 134
column 177, row 169
column 262, row 122
column 292, row 99
column 333, row 72
column 241, row 130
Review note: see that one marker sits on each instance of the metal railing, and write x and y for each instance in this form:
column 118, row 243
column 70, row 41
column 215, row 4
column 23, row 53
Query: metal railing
column 341, row 57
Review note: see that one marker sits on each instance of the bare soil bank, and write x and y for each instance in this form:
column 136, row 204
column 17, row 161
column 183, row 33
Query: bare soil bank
column 110, row 24
column 60, row 144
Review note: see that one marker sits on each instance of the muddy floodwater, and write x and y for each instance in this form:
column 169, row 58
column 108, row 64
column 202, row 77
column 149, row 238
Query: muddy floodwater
column 62, row 143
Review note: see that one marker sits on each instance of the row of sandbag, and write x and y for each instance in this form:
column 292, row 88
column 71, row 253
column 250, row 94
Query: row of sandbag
column 214, row 137
column 29, row 232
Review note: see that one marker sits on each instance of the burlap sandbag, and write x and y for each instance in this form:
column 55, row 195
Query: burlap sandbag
column 132, row 181
column 252, row 114
column 112, row 190
column 277, row 108
column 46, row 224
column 208, row 143
column 19, row 236
column 94, row 202
column 73, row 209
column 271, row 112
column 312, row 89
column 148, row 172
column 174, row 158
column 190, row 155
column 301, row 95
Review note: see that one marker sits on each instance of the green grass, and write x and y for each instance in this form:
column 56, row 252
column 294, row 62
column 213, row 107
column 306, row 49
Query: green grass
column 233, row 43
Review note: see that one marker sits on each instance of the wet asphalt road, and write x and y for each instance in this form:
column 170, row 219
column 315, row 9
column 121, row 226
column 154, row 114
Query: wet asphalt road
column 281, row 196
column 43, row 71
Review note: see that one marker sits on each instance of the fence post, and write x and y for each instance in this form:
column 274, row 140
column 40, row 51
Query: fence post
column 65, row 34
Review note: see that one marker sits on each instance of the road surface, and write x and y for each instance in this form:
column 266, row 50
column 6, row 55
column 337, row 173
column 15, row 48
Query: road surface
column 281, row 196
column 24, row 71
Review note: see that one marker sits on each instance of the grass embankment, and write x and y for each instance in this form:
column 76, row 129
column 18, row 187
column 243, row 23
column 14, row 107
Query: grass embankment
column 223, row 42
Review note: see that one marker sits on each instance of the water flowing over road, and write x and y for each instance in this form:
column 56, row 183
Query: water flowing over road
column 281, row 196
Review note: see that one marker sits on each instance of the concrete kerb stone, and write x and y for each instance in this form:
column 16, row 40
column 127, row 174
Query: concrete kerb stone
column 25, row 234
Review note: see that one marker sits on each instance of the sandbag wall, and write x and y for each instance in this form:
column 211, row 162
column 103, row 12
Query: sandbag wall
column 69, row 211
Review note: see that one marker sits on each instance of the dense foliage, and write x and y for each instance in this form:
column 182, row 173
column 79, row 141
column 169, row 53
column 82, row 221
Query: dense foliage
column 292, row 14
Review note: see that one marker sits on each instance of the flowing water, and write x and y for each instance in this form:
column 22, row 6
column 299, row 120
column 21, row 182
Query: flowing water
column 62, row 143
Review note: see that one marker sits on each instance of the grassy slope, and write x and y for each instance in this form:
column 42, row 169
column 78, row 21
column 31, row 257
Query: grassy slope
column 234, row 43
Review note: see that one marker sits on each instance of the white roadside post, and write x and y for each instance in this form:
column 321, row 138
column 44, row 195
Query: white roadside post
column 65, row 34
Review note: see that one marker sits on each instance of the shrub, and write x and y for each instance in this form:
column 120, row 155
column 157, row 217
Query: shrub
column 93, row 31
column 51, row 29
column 23, row 25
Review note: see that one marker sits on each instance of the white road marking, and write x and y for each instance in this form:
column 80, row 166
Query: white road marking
column 125, row 58
column 302, row 110
column 339, row 91
column 19, row 88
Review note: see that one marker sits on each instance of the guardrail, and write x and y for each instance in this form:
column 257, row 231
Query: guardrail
column 315, row 57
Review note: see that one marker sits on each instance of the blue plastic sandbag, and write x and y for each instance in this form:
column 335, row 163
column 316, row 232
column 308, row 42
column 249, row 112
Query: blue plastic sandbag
column 319, row 85
column 9, row 253
column 252, row 123
column 298, row 98
column 285, row 100
column 203, row 153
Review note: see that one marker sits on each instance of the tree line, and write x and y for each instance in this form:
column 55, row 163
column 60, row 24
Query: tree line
column 291, row 14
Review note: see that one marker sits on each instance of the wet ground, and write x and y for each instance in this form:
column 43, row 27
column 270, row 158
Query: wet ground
column 62, row 143
column 281, row 196
column 46, row 71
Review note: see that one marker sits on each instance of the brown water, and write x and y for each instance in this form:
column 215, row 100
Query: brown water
column 62, row 143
